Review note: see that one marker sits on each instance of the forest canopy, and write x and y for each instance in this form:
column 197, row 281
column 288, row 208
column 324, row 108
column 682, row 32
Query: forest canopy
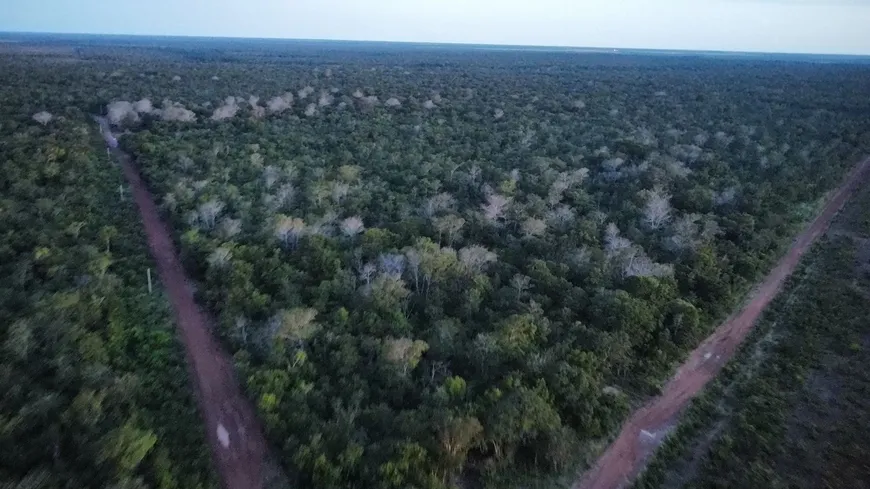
column 95, row 391
column 433, row 266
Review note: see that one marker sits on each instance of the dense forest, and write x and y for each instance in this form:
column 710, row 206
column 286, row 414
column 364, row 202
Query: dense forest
column 435, row 266
column 792, row 409
column 95, row 392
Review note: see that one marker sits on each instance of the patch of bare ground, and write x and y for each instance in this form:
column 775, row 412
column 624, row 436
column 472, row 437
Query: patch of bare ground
column 686, row 469
column 826, row 442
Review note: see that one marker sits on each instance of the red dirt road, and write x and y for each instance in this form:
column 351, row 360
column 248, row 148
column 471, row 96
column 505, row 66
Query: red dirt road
column 234, row 433
column 647, row 427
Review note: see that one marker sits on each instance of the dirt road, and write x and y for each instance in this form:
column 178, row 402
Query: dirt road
column 647, row 427
column 234, row 433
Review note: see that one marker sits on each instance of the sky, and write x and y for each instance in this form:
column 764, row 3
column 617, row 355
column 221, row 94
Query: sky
column 789, row 26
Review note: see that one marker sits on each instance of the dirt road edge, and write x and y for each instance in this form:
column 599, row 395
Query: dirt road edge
column 238, row 446
column 647, row 427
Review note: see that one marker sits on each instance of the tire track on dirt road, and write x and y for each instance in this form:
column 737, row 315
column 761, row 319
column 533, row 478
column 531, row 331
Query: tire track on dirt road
column 238, row 446
column 648, row 426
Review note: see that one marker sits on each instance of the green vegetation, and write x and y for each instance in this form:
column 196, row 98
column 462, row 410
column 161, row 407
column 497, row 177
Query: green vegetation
column 94, row 383
column 437, row 266
column 791, row 410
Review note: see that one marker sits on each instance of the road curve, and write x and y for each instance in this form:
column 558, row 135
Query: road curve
column 647, row 427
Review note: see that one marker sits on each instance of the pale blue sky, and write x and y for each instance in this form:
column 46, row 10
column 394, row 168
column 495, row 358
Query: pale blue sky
column 808, row 26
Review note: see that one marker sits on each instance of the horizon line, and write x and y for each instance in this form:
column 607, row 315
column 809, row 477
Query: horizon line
column 604, row 49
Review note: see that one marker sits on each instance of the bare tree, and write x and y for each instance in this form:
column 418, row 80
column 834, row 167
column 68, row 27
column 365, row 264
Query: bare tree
column 557, row 190
column 533, row 227
column 339, row 191
column 684, row 233
column 687, row 152
column 324, row 225
column 657, row 211
column 280, row 104
column 612, row 164
column 392, row 264
column 436, row 204
column 640, row 265
column 474, row 174
column 520, row 283
column 229, row 228
column 404, row 352
column 297, row 325
column 226, row 111
column 486, row 343
column 240, row 327
column 690, row 231
column 613, row 241
column 43, row 117
column 209, row 211
column 143, row 106
column 450, row 226
column 457, row 437
column 349, row 173
column 174, row 111
column 563, row 182
column 676, row 168
column 561, row 217
column 579, row 257
column 257, row 111
column 325, row 99
column 495, row 207
column 284, row 196
column 367, row 272
column 630, row 259
column 270, row 175
column 414, row 261
column 220, row 257
column 289, row 230
column 121, row 112
column 475, row 257
column 710, row 230
column 352, row 226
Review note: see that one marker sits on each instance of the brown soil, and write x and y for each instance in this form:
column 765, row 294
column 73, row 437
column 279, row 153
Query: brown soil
column 626, row 456
column 229, row 417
